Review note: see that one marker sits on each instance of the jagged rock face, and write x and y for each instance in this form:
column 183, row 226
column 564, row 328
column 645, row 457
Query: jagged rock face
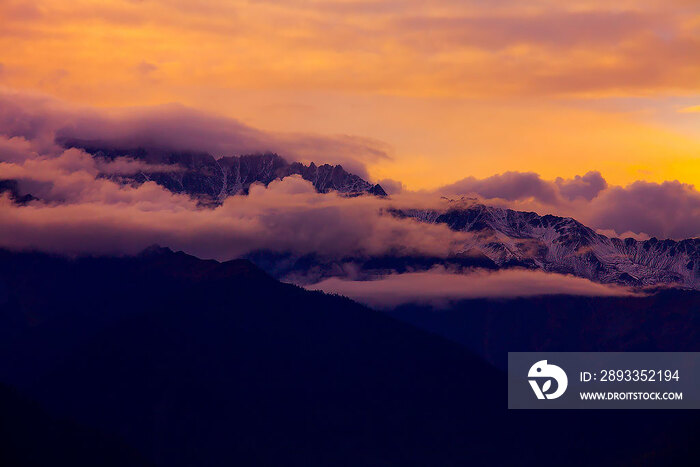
column 564, row 245
column 212, row 180
column 333, row 178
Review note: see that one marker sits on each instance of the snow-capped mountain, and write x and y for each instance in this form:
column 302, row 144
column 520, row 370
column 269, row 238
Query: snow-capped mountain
column 564, row 245
column 500, row 237
column 212, row 180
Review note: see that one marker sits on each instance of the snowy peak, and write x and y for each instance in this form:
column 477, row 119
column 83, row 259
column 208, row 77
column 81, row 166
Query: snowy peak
column 212, row 180
column 564, row 245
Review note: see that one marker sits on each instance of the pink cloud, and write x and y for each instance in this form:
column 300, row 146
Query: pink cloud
column 509, row 186
column 558, row 29
column 81, row 214
column 513, row 186
column 439, row 287
column 174, row 127
column 667, row 210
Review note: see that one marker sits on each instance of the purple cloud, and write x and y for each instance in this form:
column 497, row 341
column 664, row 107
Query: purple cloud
column 175, row 127
column 587, row 186
column 438, row 287
column 665, row 210
column 669, row 209
column 510, row 186
column 81, row 213
column 392, row 187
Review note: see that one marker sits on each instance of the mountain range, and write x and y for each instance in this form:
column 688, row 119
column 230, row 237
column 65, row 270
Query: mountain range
column 503, row 238
column 500, row 238
column 564, row 245
column 211, row 180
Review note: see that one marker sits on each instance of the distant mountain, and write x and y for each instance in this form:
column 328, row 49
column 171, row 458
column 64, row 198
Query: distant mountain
column 194, row 362
column 504, row 238
column 564, row 245
column 664, row 321
column 212, row 180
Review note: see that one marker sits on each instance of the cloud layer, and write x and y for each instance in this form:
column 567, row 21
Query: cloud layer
column 81, row 213
column 173, row 127
column 101, row 217
column 438, row 287
column 666, row 210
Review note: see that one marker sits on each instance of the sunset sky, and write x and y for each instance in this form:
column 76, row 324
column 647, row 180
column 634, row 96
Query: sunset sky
column 452, row 88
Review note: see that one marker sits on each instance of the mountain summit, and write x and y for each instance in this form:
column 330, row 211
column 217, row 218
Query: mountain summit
column 564, row 245
column 212, row 180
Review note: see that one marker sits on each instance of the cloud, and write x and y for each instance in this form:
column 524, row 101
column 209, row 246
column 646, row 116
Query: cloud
column 611, row 233
column 145, row 68
column 412, row 48
column 174, row 127
column 16, row 149
column 68, row 176
column 587, row 186
column 557, row 29
column 284, row 217
column 514, row 186
column 392, row 187
column 82, row 213
column 509, row 186
column 438, row 287
column 669, row 209
column 666, row 210
column 128, row 166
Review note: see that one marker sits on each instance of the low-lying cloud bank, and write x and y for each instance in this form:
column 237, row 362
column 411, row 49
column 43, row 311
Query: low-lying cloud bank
column 438, row 287
column 174, row 127
column 642, row 209
column 287, row 216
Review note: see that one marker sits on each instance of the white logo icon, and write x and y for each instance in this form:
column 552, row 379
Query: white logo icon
column 546, row 373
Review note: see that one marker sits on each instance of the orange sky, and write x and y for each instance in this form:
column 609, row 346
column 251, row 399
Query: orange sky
column 456, row 88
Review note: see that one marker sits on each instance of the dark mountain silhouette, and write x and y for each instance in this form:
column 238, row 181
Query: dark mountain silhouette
column 196, row 362
column 664, row 321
